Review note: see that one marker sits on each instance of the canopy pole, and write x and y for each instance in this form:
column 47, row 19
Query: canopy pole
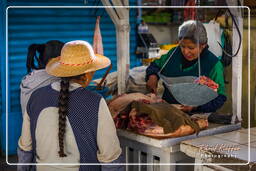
column 236, row 62
column 123, row 53
column 120, row 17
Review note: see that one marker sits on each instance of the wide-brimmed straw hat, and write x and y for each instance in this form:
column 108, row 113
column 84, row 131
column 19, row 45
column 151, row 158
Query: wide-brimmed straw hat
column 77, row 57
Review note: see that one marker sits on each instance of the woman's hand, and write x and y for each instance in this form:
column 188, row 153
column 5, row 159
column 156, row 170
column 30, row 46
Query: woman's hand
column 187, row 109
column 152, row 84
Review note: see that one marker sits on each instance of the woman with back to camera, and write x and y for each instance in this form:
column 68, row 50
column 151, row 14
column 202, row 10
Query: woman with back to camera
column 184, row 62
column 37, row 76
column 64, row 122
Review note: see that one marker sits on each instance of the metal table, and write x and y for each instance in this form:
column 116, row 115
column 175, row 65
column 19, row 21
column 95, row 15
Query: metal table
column 142, row 149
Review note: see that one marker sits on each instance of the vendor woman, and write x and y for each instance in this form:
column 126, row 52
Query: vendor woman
column 184, row 62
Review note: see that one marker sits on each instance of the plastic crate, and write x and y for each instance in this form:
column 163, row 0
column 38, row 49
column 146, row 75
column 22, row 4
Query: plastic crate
column 14, row 131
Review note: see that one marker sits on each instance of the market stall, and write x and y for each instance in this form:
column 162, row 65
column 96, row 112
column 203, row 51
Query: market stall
column 146, row 150
column 141, row 149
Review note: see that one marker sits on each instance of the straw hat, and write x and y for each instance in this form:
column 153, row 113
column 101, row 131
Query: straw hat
column 77, row 57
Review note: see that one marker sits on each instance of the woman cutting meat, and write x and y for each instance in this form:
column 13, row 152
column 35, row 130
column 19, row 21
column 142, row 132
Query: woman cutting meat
column 184, row 62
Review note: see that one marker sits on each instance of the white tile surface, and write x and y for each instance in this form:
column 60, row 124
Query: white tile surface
column 236, row 143
column 252, row 131
column 237, row 136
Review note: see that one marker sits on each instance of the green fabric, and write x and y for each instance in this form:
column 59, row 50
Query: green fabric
column 217, row 76
column 210, row 67
column 161, row 61
column 165, row 115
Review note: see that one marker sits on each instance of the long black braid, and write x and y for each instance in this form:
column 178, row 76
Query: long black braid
column 63, row 111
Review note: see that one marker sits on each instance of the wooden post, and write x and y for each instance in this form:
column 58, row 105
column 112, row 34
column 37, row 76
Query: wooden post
column 237, row 72
column 123, row 50
column 237, row 62
column 120, row 17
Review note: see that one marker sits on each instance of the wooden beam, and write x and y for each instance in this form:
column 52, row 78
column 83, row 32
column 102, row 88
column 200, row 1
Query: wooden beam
column 123, row 53
column 111, row 12
column 237, row 72
column 121, row 12
column 120, row 17
column 237, row 62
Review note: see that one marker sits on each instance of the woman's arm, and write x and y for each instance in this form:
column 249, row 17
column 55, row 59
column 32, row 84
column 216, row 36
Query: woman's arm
column 109, row 150
column 212, row 106
column 152, row 72
column 152, row 69
column 24, row 151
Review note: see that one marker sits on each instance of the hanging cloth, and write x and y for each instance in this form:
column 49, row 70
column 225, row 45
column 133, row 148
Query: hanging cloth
column 185, row 89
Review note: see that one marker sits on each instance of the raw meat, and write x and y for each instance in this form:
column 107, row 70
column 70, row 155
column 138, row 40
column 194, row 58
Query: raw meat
column 97, row 39
column 203, row 80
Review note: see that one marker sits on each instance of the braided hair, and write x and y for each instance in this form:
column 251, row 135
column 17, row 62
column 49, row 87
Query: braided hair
column 63, row 111
column 50, row 49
